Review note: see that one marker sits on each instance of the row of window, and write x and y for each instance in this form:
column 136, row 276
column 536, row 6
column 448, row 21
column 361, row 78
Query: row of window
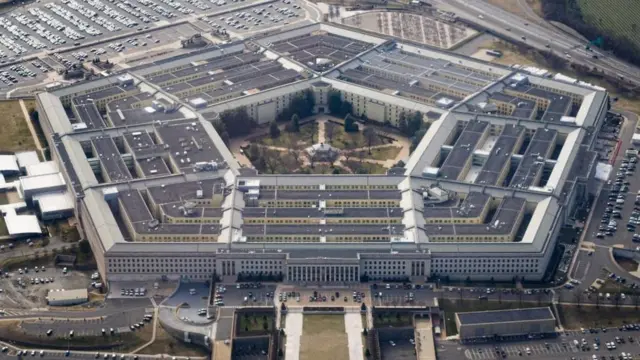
column 263, row 220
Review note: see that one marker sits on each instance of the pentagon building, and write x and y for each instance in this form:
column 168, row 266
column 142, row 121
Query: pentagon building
column 506, row 158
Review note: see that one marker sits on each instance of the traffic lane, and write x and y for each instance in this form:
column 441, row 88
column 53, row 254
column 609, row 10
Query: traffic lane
column 110, row 307
column 536, row 35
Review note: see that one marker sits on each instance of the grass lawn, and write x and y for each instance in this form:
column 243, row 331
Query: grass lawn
column 450, row 307
column 573, row 317
column 365, row 167
column 4, row 199
column 254, row 324
column 392, row 320
column 15, row 135
column 382, row 153
column 323, row 337
column 167, row 344
column 627, row 264
column 345, row 140
column 3, row 227
column 292, row 140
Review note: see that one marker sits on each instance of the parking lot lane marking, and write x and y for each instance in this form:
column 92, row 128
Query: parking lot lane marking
column 468, row 354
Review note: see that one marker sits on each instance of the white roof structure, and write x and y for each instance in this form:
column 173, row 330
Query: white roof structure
column 22, row 225
column 54, row 201
column 65, row 295
column 42, row 182
column 43, row 168
column 27, row 158
column 8, row 163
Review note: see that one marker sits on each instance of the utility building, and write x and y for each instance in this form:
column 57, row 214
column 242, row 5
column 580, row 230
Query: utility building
column 483, row 324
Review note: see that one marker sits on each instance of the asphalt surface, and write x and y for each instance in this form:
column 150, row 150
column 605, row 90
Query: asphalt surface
column 499, row 20
column 561, row 347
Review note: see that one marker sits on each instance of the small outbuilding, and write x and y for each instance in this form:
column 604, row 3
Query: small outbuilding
column 488, row 324
column 26, row 158
column 67, row 297
column 54, row 205
column 9, row 165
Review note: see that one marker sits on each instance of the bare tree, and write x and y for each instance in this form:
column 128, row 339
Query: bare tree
column 296, row 155
column 598, row 302
column 329, row 130
column 314, row 131
column 312, row 161
column 577, row 298
column 369, row 136
column 519, row 293
column 271, row 161
column 616, row 300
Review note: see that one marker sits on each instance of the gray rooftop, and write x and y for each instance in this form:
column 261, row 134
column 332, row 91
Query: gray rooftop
column 110, row 159
column 505, row 316
column 500, row 155
column 463, row 149
column 532, row 162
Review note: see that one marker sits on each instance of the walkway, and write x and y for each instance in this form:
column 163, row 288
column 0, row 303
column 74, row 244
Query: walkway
column 353, row 328
column 293, row 330
column 32, row 130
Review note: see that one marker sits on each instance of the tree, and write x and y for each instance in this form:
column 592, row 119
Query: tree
column 577, row 298
column 274, row 131
column 415, row 140
column 334, row 100
column 329, row 130
column 280, row 353
column 85, row 247
column 346, row 108
column 370, row 137
column 414, row 123
column 253, row 152
column 616, row 300
column 350, row 124
column 365, row 332
column 367, row 353
column 295, row 123
column 402, row 123
column 237, row 121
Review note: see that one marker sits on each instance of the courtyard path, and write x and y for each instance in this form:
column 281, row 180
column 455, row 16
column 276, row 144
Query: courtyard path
column 293, row 330
column 353, row 328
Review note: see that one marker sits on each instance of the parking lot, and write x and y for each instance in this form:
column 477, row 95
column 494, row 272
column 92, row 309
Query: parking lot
column 191, row 298
column 18, row 291
column 397, row 344
column 120, row 323
column 43, row 27
column 126, row 49
column 561, row 347
column 235, row 294
column 61, row 355
column 256, row 18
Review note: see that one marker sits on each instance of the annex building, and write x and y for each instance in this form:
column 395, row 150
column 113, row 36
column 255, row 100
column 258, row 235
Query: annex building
column 157, row 192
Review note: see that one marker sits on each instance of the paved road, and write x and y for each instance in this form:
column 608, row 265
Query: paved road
column 499, row 20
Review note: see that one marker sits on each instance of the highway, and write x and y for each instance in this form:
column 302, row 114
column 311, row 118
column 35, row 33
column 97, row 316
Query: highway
column 512, row 26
